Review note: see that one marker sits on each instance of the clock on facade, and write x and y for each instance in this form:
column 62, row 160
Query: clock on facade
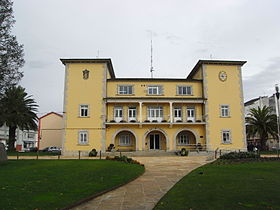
column 223, row 76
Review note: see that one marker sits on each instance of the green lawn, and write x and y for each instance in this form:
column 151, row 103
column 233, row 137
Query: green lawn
column 252, row 185
column 53, row 184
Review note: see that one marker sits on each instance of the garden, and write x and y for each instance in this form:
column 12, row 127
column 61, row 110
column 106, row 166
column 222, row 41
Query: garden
column 232, row 182
column 56, row 184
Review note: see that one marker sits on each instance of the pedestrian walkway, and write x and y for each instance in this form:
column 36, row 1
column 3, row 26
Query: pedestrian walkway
column 144, row 192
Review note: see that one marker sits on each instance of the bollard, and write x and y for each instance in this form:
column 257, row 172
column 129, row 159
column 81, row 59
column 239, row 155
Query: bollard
column 17, row 155
column 58, row 157
column 37, row 154
column 100, row 155
column 79, row 154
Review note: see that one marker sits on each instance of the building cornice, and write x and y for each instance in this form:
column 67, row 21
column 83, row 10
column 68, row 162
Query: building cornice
column 90, row 60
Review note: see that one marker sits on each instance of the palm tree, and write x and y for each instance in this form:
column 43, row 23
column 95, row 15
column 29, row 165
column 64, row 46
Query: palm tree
column 17, row 110
column 261, row 123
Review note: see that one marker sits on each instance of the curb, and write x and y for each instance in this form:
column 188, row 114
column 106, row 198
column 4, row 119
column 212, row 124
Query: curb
column 100, row 193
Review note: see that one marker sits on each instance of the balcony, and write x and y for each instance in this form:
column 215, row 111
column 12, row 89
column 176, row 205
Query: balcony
column 165, row 119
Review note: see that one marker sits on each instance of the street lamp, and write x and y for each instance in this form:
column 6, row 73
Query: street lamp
column 277, row 112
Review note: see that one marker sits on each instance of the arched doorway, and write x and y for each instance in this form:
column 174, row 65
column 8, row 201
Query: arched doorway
column 185, row 139
column 125, row 141
column 155, row 140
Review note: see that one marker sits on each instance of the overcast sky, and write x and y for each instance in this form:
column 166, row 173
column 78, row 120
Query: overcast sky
column 184, row 31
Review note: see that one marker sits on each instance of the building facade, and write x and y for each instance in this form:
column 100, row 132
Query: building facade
column 205, row 110
column 25, row 139
column 50, row 130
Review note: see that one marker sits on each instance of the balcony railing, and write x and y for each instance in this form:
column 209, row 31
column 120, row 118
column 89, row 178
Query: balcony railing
column 165, row 119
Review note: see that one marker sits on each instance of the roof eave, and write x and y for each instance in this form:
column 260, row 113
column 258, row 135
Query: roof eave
column 90, row 60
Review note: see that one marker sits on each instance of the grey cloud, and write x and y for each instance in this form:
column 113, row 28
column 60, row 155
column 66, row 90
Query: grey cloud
column 263, row 83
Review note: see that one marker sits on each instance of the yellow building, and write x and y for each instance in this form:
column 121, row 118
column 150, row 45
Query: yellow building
column 202, row 111
column 50, row 130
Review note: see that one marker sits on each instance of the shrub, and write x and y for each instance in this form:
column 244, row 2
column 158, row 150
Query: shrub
column 132, row 121
column 164, row 121
column 147, row 121
column 93, row 153
column 155, row 121
column 184, row 152
column 112, row 121
column 122, row 121
column 125, row 159
column 240, row 155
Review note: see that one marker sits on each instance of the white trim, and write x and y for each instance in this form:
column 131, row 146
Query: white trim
column 221, row 110
column 147, row 100
column 85, row 132
column 125, row 85
column 184, row 129
column 155, row 129
column 184, row 86
column 128, row 130
column 229, row 135
column 80, row 110
column 159, row 90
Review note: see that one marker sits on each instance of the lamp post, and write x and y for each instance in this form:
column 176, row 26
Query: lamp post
column 277, row 112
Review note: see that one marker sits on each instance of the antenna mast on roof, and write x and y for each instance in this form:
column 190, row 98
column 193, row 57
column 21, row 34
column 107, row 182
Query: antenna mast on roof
column 152, row 68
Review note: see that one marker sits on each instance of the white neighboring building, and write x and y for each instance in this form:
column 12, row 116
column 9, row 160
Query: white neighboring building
column 25, row 139
column 261, row 102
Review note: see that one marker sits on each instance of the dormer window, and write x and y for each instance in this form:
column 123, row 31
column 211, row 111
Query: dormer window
column 85, row 74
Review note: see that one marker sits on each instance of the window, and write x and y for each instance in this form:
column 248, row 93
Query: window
column 224, row 110
column 125, row 90
column 183, row 140
column 30, row 135
column 155, row 113
column 155, row 90
column 190, row 113
column 83, row 137
column 118, row 114
column 184, row 90
column 177, row 112
column 132, row 113
column 226, row 137
column 125, row 140
column 84, row 112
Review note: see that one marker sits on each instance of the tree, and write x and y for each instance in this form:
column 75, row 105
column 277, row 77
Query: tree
column 17, row 110
column 261, row 123
column 11, row 52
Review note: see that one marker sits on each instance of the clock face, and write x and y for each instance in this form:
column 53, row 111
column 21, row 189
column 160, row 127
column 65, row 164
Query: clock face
column 223, row 76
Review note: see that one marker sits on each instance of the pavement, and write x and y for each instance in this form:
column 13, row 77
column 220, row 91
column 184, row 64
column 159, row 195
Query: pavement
column 144, row 192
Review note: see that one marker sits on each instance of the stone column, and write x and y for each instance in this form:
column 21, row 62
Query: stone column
column 171, row 112
column 140, row 112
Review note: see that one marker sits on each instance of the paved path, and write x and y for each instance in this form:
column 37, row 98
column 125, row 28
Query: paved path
column 144, row 192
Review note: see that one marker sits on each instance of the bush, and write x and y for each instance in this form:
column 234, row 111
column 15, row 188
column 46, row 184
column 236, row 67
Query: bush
column 125, row 159
column 184, row 152
column 239, row 155
column 93, row 153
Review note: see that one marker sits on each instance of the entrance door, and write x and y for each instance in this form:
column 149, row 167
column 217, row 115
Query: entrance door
column 154, row 141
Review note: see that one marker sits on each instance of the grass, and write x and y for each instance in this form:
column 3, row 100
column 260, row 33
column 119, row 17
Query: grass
column 253, row 185
column 31, row 154
column 54, row 184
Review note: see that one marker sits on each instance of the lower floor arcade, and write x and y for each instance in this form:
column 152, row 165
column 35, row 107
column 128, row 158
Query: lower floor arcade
column 156, row 138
